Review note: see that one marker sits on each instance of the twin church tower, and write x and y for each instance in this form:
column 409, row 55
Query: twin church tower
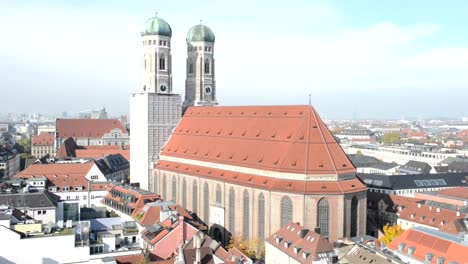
column 155, row 110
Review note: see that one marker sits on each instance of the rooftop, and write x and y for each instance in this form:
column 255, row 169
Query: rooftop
column 43, row 139
column 87, row 128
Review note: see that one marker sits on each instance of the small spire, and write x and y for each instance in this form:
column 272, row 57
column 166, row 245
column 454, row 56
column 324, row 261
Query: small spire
column 156, row 14
column 201, row 21
column 310, row 98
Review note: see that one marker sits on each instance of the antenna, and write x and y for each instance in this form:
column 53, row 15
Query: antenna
column 310, row 98
column 201, row 20
column 156, row 14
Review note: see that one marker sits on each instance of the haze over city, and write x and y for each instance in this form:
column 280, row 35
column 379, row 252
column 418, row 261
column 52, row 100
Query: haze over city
column 358, row 59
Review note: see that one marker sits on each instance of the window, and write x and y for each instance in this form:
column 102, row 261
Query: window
column 286, row 210
column 232, row 210
column 162, row 62
column 354, row 216
column 44, row 212
column 164, row 183
column 261, row 216
column 323, row 216
column 195, row 196
column 39, row 212
column 84, row 197
column 218, row 194
column 207, row 66
column 77, row 197
column 184, row 193
column 206, row 202
column 174, row 188
column 246, row 216
column 190, row 66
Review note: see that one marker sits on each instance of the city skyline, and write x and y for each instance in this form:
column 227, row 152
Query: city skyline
column 358, row 60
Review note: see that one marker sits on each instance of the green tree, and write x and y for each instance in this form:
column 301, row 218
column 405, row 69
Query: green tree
column 391, row 137
column 253, row 249
column 25, row 145
column 390, row 233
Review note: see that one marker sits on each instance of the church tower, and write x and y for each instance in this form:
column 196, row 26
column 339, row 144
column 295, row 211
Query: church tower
column 157, row 60
column 154, row 109
column 200, row 84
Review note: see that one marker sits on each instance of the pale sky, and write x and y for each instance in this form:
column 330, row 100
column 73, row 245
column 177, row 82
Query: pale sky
column 363, row 59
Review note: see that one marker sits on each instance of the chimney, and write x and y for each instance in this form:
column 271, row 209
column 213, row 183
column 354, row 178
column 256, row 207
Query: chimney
column 458, row 213
column 438, row 210
column 419, row 205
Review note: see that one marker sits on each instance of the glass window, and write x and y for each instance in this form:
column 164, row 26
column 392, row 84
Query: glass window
column 164, row 183
column 323, row 216
column 206, row 201
column 195, row 196
column 174, row 188
column 354, row 216
column 246, row 216
column 184, row 193
column 232, row 210
column 207, row 66
column 286, row 210
column 261, row 217
column 218, row 194
column 162, row 62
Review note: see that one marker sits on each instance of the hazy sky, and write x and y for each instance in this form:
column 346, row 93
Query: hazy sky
column 359, row 59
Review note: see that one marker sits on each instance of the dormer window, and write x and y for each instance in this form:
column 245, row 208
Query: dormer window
column 296, row 250
column 278, row 239
column 305, row 254
column 287, row 244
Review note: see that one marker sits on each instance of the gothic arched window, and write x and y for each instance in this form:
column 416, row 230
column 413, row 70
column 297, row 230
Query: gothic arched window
column 218, row 194
column 207, row 66
column 323, row 216
column 232, row 210
column 261, row 217
column 246, row 216
column 206, row 202
column 190, row 66
column 195, row 196
column 184, row 193
column 354, row 216
column 164, row 183
column 162, row 62
column 286, row 210
column 174, row 188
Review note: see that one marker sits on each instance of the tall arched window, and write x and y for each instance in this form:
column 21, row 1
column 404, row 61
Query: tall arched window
column 164, row 184
column 232, row 210
column 323, row 216
column 190, row 66
column 174, row 188
column 195, row 196
column 261, row 217
column 184, row 193
column 218, row 194
column 354, row 216
column 286, row 210
column 207, row 66
column 246, row 216
column 162, row 62
column 206, row 202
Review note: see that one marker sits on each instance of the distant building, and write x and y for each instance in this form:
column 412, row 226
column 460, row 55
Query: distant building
column 415, row 167
column 294, row 244
column 114, row 167
column 45, row 129
column 70, row 150
column 43, row 144
column 94, row 114
column 91, row 132
column 420, row 245
column 458, row 167
column 357, row 136
column 9, row 161
column 367, row 164
column 457, row 196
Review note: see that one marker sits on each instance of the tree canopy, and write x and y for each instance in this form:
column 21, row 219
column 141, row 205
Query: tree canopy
column 390, row 233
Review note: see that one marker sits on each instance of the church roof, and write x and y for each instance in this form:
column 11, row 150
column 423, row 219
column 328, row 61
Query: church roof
column 157, row 26
column 200, row 33
column 87, row 128
column 288, row 139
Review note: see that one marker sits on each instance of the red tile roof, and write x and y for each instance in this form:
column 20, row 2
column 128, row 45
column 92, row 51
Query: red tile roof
column 458, row 192
column 276, row 138
column 142, row 197
column 95, row 152
column 151, row 213
column 266, row 183
column 303, row 240
column 427, row 215
column 59, row 174
column 86, row 128
column 43, row 139
column 424, row 243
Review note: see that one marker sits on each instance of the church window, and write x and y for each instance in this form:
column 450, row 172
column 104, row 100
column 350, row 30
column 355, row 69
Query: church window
column 174, row 188
column 206, row 202
column 190, row 67
column 286, row 210
column 162, row 62
column 164, row 183
column 261, row 216
column 232, row 210
column 160, row 43
column 195, row 196
column 246, row 217
column 218, row 194
column 354, row 216
column 207, row 66
column 184, row 193
column 323, row 216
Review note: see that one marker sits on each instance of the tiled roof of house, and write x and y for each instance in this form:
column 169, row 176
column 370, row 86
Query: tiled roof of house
column 43, row 139
column 426, row 242
column 142, row 197
column 95, row 152
column 458, row 192
column 267, row 183
column 87, row 128
column 299, row 243
column 289, row 139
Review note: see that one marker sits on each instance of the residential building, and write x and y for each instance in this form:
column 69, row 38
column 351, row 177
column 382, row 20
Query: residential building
column 357, row 136
column 415, row 167
column 115, row 167
column 367, row 164
column 408, row 185
column 421, row 245
column 155, row 110
column 458, row 167
column 9, row 161
column 295, row 244
column 46, row 129
column 43, row 144
column 91, row 132
column 70, row 150
column 457, row 196
column 280, row 162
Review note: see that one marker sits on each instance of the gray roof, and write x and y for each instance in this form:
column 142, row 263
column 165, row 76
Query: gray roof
column 356, row 132
column 362, row 160
column 416, row 167
column 384, row 165
column 29, row 200
column 112, row 163
column 458, row 166
column 414, row 181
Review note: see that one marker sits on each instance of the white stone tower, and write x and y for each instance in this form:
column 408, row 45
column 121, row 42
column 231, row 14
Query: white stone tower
column 200, row 84
column 154, row 110
column 157, row 60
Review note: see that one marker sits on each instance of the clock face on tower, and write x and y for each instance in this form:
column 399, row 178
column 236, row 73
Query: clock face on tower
column 163, row 88
column 207, row 89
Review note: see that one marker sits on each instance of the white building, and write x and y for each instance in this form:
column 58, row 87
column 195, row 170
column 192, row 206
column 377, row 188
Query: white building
column 155, row 110
column 45, row 129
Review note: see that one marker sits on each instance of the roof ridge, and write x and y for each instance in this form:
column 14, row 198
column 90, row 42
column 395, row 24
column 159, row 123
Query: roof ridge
column 324, row 141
